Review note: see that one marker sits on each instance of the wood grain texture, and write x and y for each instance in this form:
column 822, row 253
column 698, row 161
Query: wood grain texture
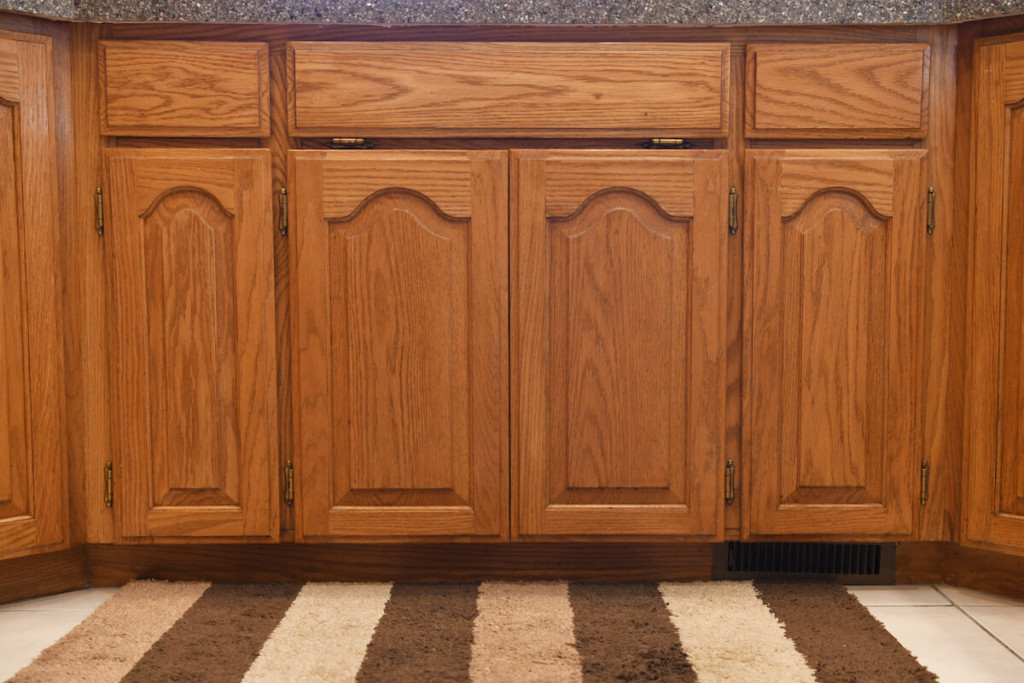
column 836, row 91
column 89, row 421
column 184, row 88
column 620, row 360
column 192, row 331
column 956, row 565
column 834, row 328
column 42, row 574
column 945, row 269
column 33, row 488
column 421, row 562
column 400, row 367
column 993, row 510
column 507, row 89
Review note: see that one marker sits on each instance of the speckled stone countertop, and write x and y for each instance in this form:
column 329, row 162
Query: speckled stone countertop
column 392, row 12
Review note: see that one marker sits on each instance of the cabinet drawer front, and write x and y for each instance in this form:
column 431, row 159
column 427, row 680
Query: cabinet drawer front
column 837, row 91
column 507, row 89
column 184, row 88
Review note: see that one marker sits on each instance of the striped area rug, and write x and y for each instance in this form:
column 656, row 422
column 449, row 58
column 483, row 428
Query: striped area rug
column 492, row 631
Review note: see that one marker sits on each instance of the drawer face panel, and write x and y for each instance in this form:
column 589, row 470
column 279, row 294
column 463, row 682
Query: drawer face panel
column 184, row 88
column 837, row 90
column 507, row 89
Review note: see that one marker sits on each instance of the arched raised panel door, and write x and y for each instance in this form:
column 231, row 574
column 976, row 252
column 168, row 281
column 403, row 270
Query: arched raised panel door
column 190, row 241
column 399, row 263
column 33, row 508
column 833, row 342
column 994, row 402
column 619, row 343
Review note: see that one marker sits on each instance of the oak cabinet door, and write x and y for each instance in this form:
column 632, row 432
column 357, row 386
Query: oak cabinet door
column 192, row 343
column 833, row 341
column 619, row 343
column 33, row 508
column 399, row 267
column 994, row 401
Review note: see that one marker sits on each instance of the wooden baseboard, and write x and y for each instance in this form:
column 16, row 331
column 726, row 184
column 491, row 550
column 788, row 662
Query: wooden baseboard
column 984, row 570
column 115, row 565
column 35, row 575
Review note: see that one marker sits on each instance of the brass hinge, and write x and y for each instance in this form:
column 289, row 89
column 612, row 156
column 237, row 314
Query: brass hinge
column 730, row 482
column 666, row 143
column 289, row 483
column 108, row 484
column 930, row 221
column 734, row 221
column 99, row 211
column 282, row 206
column 925, row 471
column 350, row 143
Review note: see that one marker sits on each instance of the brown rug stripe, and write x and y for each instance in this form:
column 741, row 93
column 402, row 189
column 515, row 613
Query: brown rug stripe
column 624, row 632
column 218, row 638
column 426, row 634
column 840, row 639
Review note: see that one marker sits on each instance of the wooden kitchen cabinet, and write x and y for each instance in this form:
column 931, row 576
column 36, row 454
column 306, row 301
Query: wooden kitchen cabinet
column 994, row 399
column 193, row 376
column 619, row 347
column 33, row 507
column 400, row 350
column 833, row 298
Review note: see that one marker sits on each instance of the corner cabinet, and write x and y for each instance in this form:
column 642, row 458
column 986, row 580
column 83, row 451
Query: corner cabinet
column 619, row 349
column 994, row 400
column 193, row 378
column 400, row 352
column 33, row 507
column 833, row 342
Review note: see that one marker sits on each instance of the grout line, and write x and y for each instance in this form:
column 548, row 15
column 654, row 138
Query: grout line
column 982, row 627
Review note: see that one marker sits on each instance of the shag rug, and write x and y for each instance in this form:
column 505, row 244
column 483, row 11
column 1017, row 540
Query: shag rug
column 492, row 631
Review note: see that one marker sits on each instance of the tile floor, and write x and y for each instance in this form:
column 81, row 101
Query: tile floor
column 960, row 634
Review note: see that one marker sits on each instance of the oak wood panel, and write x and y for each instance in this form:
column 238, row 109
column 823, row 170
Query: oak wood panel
column 834, row 331
column 400, row 363
column 184, row 88
column 32, row 576
column 620, row 352
column 192, row 334
column 455, row 89
column 33, row 489
column 994, row 482
column 944, row 289
column 89, row 423
column 827, row 90
column 421, row 562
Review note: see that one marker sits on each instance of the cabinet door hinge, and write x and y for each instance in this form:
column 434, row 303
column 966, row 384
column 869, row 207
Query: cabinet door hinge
column 108, row 484
column 730, row 482
column 925, row 471
column 734, row 221
column 666, row 143
column 351, row 143
column 99, row 211
column 282, row 208
column 930, row 220
column 289, row 483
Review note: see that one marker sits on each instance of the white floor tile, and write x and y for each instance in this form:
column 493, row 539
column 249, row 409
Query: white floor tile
column 1005, row 623
column 952, row 646
column 898, row 595
column 87, row 598
column 24, row 634
column 973, row 598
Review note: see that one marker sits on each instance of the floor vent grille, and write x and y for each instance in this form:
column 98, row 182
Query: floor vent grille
column 873, row 563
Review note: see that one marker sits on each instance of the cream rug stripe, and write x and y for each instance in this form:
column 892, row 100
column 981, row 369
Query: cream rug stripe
column 324, row 634
column 112, row 640
column 730, row 635
column 523, row 633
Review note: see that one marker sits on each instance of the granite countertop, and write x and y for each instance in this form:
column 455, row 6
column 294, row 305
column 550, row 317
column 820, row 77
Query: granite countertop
column 392, row 12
